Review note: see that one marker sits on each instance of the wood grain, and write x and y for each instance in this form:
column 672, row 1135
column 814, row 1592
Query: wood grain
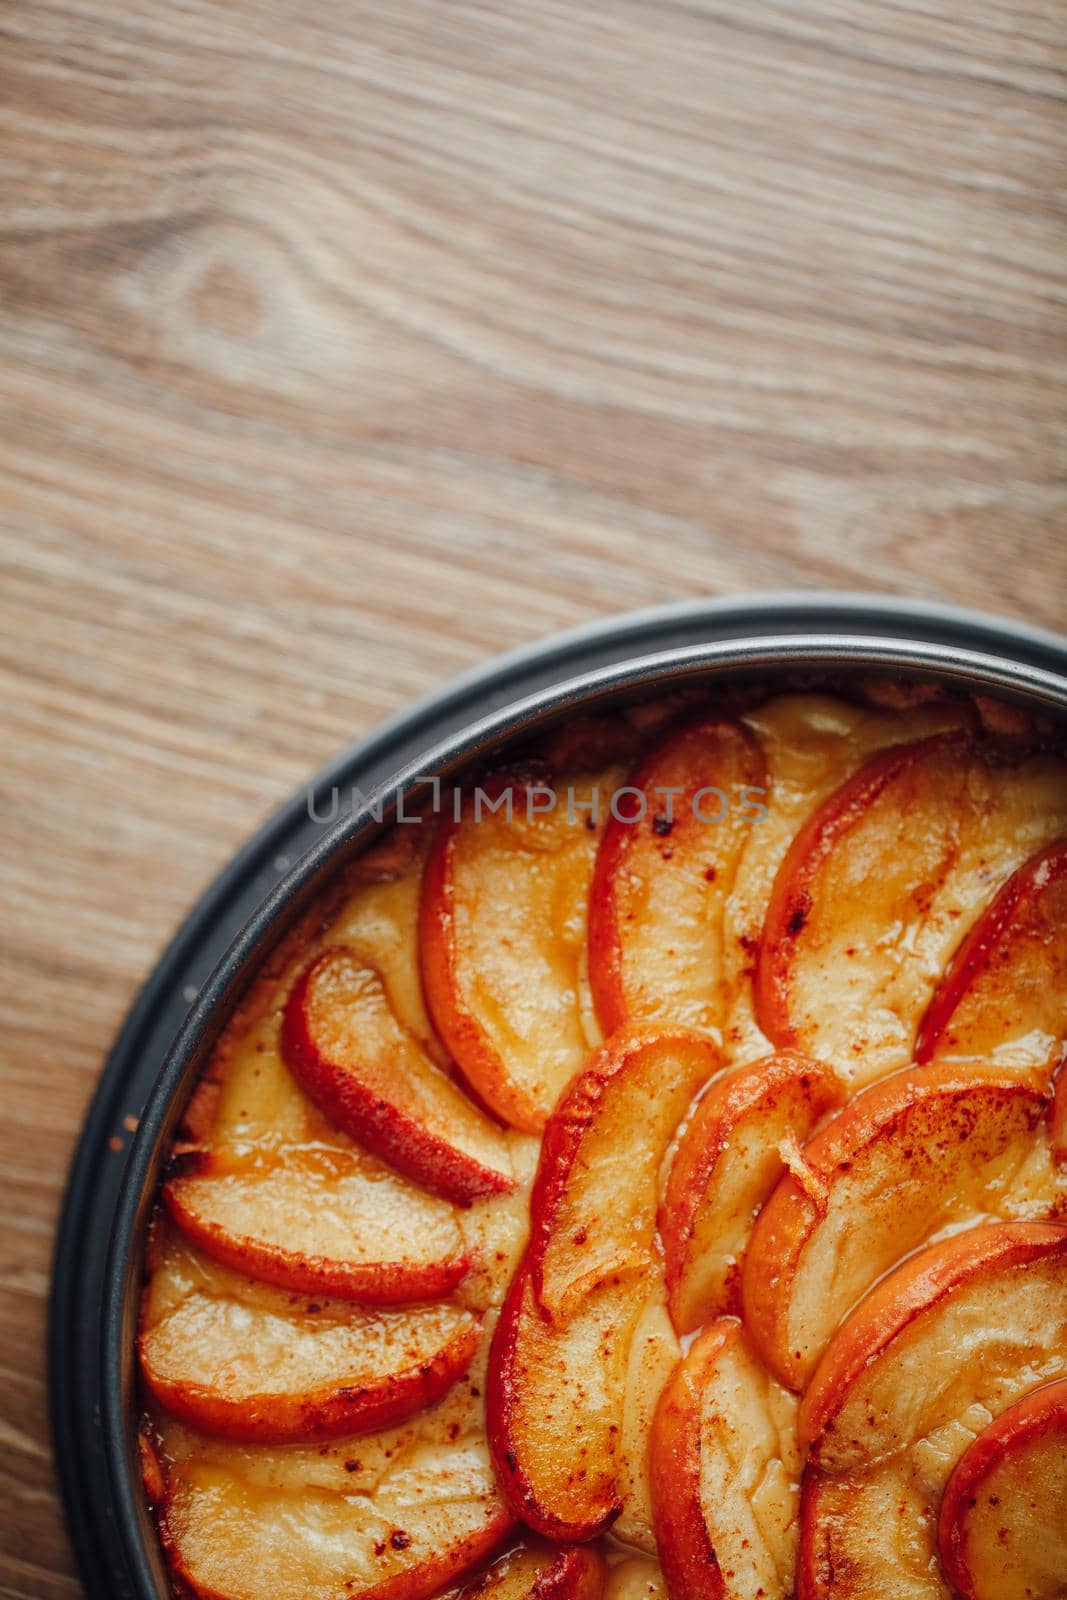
column 342, row 346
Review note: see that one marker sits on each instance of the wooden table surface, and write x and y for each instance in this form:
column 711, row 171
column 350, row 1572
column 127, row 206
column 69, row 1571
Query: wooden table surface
column 343, row 346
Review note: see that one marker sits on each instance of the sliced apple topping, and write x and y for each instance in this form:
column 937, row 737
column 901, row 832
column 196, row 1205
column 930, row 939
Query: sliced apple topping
column 273, row 1189
column 811, row 744
column 1003, row 1523
column 664, row 870
column 867, row 1537
column 537, row 1571
column 735, row 1148
column 356, row 1060
column 356, row 1033
column 503, row 937
column 1004, row 996
column 725, row 1466
column 913, row 1154
column 253, row 1362
column 981, row 1316
column 559, row 1364
column 939, row 1349
column 321, row 1221
column 554, row 1407
column 383, row 1516
column 594, row 1201
column 874, row 892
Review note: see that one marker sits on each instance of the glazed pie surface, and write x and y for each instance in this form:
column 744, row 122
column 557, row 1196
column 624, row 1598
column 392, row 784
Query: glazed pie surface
column 645, row 1174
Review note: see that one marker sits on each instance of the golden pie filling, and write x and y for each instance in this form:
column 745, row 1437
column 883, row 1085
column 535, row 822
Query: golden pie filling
column 644, row 1174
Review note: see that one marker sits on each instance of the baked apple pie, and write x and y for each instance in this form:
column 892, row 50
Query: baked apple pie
column 644, row 1174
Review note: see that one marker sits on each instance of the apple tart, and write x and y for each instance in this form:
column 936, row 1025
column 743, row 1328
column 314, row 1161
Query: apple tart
column 644, row 1176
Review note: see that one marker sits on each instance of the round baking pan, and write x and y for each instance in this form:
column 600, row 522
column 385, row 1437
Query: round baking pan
column 175, row 1020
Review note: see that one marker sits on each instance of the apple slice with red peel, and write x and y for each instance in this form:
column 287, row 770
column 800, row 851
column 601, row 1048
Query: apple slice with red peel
column 1002, row 1531
column 873, row 1533
column 946, row 1343
column 724, row 1470
column 811, row 744
column 868, row 1537
column 271, row 1188
column 562, row 1345
column 503, row 936
column 912, row 1154
column 594, row 1200
column 534, row 1570
column 876, row 888
column 320, row 1221
column 982, row 1316
column 664, row 869
column 253, row 1362
column 1004, row 996
column 728, row 1160
column 357, row 1061
column 392, row 1515
column 559, row 1478
column 825, row 897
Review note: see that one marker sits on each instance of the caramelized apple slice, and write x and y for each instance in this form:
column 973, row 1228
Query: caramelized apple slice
column 385, row 1516
column 868, row 1537
column 874, row 1533
column 358, row 1062
column 503, row 929
column 944, row 1345
column 560, row 1479
column 1004, row 996
column 565, row 1332
column 593, row 1207
column 1002, row 1531
column 252, row 1362
column 271, row 1188
column 665, row 867
column 537, row 1571
column 874, row 892
column 724, row 1470
column 321, row 1221
column 981, row 1316
column 811, row 744
column 912, row 1154
column 728, row 1160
